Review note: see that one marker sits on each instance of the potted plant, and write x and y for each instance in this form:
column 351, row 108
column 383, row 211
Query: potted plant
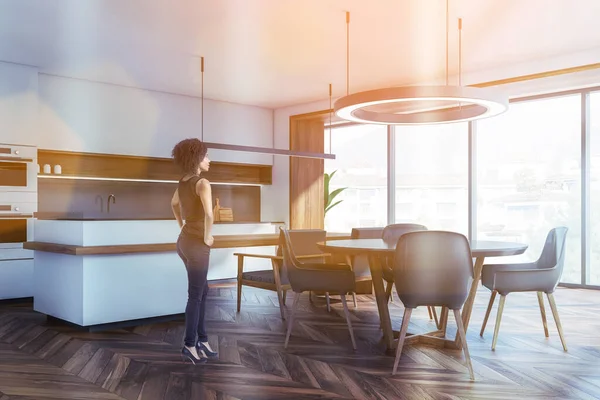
column 330, row 196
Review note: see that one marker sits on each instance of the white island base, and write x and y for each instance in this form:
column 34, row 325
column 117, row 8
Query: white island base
column 96, row 289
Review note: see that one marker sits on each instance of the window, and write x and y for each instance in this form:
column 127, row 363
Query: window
column 432, row 176
column 528, row 177
column 361, row 167
column 594, row 240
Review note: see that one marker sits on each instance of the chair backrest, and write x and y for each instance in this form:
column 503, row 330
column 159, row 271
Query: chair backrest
column 360, row 264
column 366, row 233
column 290, row 263
column 392, row 232
column 553, row 253
column 433, row 268
column 303, row 242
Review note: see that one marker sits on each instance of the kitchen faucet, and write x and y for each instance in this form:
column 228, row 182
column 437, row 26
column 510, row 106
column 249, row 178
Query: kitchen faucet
column 98, row 197
column 110, row 196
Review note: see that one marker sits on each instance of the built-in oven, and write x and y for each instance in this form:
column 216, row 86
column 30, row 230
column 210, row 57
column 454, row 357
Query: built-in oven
column 18, row 168
column 16, row 227
column 16, row 223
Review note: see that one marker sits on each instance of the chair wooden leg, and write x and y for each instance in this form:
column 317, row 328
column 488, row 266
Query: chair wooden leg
column 354, row 300
column 281, row 305
column 327, row 301
column 403, row 328
column 487, row 312
column 278, row 288
column 429, row 312
column 438, row 323
column 463, row 338
column 347, row 313
column 284, row 295
column 388, row 292
column 291, row 316
column 540, row 297
column 240, row 274
column 557, row 319
column 239, row 295
column 498, row 319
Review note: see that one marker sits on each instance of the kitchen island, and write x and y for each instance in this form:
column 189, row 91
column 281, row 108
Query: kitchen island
column 92, row 270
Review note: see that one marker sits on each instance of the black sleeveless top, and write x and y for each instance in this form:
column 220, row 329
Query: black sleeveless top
column 192, row 211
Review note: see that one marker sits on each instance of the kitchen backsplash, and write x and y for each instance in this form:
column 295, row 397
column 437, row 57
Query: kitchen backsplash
column 137, row 199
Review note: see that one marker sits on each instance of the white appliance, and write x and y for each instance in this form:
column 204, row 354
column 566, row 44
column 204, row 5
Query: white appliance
column 18, row 168
column 18, row 202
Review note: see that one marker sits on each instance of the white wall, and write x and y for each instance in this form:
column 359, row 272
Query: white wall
column 79, row 115
column 18, row 102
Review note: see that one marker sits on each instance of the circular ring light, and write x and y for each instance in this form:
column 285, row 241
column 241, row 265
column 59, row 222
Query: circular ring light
column 475, row 103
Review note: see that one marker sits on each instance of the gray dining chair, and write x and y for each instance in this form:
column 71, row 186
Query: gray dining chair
column 433, row 278
column 324, row 277
column 360, row 263
column 391, row 234
column 541, row 276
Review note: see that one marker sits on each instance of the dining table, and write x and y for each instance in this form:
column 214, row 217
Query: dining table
column 378, row 249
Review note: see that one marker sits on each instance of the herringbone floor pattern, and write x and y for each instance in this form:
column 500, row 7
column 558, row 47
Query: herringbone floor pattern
column 43, row 361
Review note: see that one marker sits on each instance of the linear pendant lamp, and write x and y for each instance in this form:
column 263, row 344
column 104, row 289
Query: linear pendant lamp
column 252, row 149
column 420, row 105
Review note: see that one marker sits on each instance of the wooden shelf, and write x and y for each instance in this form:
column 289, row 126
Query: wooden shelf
column 96, row 165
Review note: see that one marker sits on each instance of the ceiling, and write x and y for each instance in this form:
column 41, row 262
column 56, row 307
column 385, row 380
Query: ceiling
column 276, row 53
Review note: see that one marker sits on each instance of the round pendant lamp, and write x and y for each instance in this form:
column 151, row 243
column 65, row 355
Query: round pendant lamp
column 420, row 105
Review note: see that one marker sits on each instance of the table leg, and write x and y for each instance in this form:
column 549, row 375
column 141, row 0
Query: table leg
column 384, row 312
column 468, row 306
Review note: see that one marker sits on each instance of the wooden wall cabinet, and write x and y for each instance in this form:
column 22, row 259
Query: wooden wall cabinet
column 148, row 168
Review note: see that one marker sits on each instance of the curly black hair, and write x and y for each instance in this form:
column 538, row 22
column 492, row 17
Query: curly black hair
column 188, row 154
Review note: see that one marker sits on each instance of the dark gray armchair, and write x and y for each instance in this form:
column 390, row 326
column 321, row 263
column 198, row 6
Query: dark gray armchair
column 331, row 278
column 305, row 247
column 541, row 276
column 433, row 278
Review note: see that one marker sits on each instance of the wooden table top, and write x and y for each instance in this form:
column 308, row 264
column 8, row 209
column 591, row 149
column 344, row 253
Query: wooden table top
column 479, row 248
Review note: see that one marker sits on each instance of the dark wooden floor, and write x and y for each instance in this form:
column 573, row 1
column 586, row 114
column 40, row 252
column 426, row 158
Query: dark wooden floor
column 42, row 361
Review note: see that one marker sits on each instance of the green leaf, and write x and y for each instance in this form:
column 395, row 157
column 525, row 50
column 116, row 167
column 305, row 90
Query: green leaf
column 333, row 205
column 335, row 193
column 328, row 197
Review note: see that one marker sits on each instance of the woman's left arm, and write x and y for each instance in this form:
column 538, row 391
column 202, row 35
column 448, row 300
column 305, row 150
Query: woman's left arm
column 176, row 208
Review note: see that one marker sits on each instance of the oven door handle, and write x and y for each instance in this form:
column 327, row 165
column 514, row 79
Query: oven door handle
column 15, row 215
column 17, row 159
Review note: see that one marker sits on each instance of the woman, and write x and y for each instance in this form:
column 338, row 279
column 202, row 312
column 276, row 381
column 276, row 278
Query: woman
column 192, row 203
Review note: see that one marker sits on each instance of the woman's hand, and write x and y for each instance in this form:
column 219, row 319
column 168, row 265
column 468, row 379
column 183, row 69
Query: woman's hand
column 209, row 240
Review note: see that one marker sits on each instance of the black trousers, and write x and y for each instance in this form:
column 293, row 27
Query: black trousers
column 195, row 255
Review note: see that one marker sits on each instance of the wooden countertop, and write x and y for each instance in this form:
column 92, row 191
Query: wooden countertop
column 221, row 242
column 96, row 216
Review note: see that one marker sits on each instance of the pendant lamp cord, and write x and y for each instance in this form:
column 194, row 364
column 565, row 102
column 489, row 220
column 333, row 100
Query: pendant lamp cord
column 447, row 29
column 347, row 53
column 202, row 98
column 330, row 110
column 459, row 51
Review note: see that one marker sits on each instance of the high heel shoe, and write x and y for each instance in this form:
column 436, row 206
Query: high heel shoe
column 201, row 347
column 187, row 355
